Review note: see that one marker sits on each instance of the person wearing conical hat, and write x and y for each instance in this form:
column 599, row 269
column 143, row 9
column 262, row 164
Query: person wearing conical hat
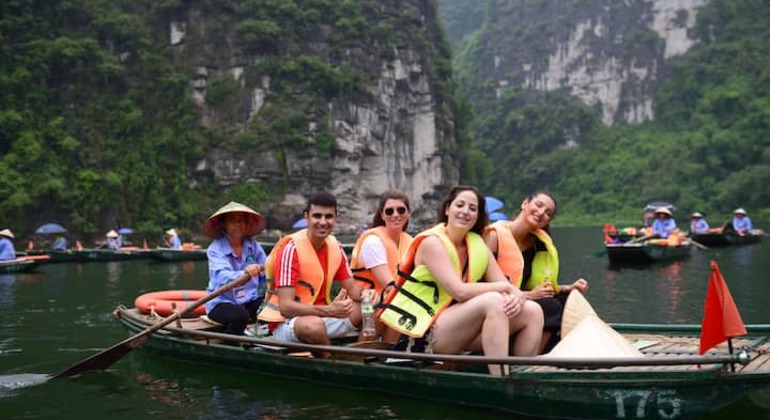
column 698, row 224
column 7, row 249
column 172, row 239
column 664, row 224
column 528, row 256
column 233, row 253
column 113, row 240
column 741, row 222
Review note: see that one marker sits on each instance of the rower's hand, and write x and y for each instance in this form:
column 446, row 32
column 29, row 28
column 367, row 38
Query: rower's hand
column 254, row 270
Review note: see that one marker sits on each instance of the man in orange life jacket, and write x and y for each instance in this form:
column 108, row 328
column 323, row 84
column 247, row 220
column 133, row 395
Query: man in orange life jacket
column 304, row 264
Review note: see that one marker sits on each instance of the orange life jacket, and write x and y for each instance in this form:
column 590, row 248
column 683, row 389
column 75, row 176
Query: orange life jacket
column 509, row 256
column 364, row 276
column 312, row 277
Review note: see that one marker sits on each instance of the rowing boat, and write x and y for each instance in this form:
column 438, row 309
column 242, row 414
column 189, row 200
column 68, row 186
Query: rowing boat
column 21, row 264
column 725, row 238
column 168, row 254
column 670, row 381
column 647, row 252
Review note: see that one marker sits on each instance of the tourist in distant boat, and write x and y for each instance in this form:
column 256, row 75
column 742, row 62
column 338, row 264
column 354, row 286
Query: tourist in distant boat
column 452, row 296
column 741, row 222
column 7, row 249
column 305, row 264
column 528, row 257
column 378, row 249
column 172, row 239
column 59, row 244
column 113, row 241
column 664, row 224
column 233, row 253
column 698, row 224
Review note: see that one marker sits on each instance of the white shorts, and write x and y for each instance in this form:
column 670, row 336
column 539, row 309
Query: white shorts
column 335, row 328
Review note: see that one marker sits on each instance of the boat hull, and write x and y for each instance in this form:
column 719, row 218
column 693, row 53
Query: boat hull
column 17, row 266
column 168, row 255
column 644, row 253
column 538, row 391
column 725, row 239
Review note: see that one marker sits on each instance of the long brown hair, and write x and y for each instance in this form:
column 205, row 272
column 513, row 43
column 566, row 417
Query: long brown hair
column 390, row 194
column 532, row 196
column 482, row 219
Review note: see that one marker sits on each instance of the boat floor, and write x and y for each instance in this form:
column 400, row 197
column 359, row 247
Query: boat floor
column 650, row 344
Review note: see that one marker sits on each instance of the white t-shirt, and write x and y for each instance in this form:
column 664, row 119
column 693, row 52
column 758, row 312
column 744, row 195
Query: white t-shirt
column 373, row 252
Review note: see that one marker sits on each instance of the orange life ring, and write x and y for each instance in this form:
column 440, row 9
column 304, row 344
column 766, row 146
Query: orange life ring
column 161, row 302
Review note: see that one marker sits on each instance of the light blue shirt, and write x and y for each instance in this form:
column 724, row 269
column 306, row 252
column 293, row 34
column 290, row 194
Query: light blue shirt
column 175, row 242
column 699, row 226
column 663, row 227
column 7, row 250
column 60, row 244
column 225, row 266
column 114, row 243
column 742, row 224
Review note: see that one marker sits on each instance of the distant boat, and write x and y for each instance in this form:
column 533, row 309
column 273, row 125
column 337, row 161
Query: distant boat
column 168, row 254
column 726, row 237
column 650, row 251
column 22, row 264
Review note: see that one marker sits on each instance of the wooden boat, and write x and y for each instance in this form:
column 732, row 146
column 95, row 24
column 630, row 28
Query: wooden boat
column 22, row 264
column 651, row 251
column 124, row 254
column 726, row 237
column 60, row 256
column 670, row 381
column 168, row 254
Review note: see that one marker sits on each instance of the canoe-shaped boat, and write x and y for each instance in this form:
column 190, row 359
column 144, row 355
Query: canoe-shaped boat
column 168, row 254
column 69, row 255
column 98, row 254
column 646, row 252
column 726, row 238
column 22, row 264
column 670, row 381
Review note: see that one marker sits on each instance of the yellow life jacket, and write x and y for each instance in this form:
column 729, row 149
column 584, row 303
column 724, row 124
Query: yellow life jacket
column 364, row 276
column 418, row 298
column 311, row 275
column 545, row 265
column 509, row 256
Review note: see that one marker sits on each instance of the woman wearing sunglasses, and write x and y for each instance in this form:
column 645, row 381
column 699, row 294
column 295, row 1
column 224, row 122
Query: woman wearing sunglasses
column 378, row 249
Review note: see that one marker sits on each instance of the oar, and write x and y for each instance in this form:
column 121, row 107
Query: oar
column 699, row 245
column 107, row 357
column 642, row 238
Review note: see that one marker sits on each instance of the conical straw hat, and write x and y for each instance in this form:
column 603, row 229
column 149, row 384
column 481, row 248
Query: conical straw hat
column 575, row 309
column 171, row 232
column 255, row 223
column 592, row 337
column 112, row 234
column 7, row 232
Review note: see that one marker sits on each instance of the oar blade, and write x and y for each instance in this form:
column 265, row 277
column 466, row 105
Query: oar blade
column 99, row 361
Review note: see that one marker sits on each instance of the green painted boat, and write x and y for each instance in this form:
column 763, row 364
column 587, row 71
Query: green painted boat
column 726, row 238
column 18, row 265
column 60, row 256
column 670, row 381
column 98, row 254
column 646, row 252
column 168, row 254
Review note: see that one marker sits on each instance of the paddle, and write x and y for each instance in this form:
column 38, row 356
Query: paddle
column 699, row 245
column 107, row 357
column 642, row 238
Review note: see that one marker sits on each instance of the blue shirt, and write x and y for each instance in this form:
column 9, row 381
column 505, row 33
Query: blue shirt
column 663, row 227
column 742, row 224
column 175, row 242
column 114, row 243
column 699, row 226
column 7, row 250
column 225, row 266
column 60, row 244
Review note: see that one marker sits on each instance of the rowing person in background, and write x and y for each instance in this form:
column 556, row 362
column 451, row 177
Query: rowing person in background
column 378, row 249
column 698, row 224
column 664, row 224
column 113, row 241
column 172, row 239
column 233, row 253
column 741, row 222
column 528, row 257
column 440, row 302
column 7, row 249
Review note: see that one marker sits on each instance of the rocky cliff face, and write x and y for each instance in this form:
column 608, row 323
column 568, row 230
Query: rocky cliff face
column 398, row 134
column 608, row 53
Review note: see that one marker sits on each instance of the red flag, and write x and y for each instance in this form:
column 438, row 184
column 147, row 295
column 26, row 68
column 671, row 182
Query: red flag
column 721, row 319
column 30, row 245
column 78, row 246
column 145, row 244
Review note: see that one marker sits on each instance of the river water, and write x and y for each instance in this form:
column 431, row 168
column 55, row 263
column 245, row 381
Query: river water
column 62, row 313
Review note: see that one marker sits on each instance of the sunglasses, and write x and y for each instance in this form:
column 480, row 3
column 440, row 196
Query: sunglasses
column 389, row 211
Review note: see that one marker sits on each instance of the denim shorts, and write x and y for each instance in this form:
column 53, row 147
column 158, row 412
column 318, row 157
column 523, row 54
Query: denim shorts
column 335, row 328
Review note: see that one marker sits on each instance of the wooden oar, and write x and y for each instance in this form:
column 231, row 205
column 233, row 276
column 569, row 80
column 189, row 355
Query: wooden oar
column 642, row 238
column 106, row 358
column 699, row 245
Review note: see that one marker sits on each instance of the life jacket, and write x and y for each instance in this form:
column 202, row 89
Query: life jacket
column 545, row 265
column 312, row 278
column 417, row 299
column 509, row 256
column 364, row 276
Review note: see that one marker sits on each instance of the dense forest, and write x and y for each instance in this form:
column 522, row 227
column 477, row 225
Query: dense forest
column 98, row 128
column 708, row 149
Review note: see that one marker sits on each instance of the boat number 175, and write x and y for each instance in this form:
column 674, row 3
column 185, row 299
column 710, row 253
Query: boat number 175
column 634, row 404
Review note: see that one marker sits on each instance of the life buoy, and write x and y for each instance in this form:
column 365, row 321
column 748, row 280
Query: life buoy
column 161, row 302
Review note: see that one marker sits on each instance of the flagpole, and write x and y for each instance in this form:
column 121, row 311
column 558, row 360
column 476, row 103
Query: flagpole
column 730, row 349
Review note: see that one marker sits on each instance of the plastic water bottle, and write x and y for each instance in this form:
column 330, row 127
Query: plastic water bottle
column 368, row 331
